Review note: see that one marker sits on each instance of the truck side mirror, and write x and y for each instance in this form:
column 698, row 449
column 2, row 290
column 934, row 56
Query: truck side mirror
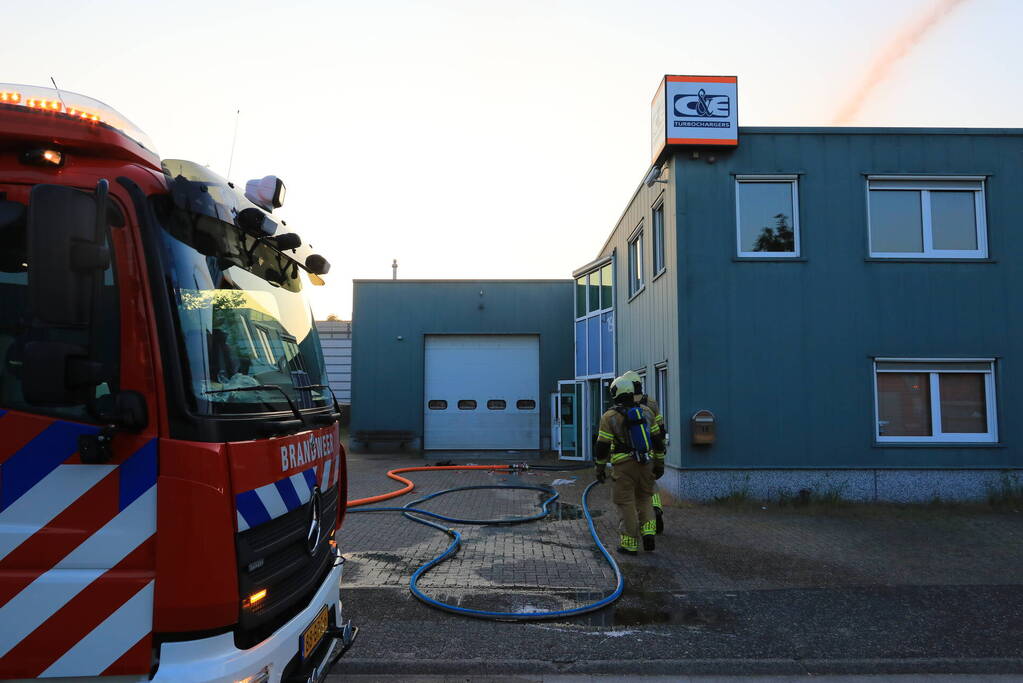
column 125, row 410
column 58, row 374
column 66, row 253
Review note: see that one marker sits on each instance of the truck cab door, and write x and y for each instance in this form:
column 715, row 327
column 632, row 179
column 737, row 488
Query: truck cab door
column 77, row 501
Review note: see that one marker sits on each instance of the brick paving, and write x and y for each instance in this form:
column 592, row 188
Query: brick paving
column 383, row 549
column 706, row 547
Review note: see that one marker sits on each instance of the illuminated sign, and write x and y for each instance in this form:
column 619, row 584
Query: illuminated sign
column 694, row 111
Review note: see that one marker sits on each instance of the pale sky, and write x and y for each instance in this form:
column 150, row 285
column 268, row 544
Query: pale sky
column 485, row 139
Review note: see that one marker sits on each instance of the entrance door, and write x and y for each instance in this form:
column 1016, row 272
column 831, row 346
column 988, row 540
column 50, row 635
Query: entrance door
column 569, row 404
column 594, row 401
column 555, row 422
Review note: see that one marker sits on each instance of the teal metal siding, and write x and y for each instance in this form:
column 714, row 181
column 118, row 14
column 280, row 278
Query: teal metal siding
column 387, row 372
column 781, row 351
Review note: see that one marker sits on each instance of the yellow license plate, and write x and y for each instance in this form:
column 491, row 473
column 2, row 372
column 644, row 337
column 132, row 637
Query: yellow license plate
column 314, row 633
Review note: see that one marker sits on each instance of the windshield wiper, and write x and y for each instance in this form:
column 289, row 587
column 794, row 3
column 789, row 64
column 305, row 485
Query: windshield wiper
column 321, row 387
column 260, row 387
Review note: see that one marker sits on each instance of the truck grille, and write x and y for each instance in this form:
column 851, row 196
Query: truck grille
column 274, row 556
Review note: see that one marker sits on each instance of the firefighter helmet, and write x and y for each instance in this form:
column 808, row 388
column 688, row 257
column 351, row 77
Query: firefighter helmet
column 637, row 381
column 622, row 390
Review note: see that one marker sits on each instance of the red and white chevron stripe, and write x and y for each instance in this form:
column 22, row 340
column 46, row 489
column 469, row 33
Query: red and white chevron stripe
column 328, row 472
column 77, row 557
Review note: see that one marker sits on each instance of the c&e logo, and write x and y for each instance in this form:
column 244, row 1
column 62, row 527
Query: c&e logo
column 702, row 105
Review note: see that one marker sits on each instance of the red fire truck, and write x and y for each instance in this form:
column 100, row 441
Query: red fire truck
column 171, row 476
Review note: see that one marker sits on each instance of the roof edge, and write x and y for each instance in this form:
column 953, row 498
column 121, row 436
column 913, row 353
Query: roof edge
column 874, row 130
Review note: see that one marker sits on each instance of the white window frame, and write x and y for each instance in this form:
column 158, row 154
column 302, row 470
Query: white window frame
column 925, row 185
column 930, row 366
column 791, row 179
column 635, row 262
column 661, row 386
column 658, row 240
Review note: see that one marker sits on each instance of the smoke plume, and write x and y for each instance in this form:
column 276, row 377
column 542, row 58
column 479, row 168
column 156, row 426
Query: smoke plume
column 903, row 42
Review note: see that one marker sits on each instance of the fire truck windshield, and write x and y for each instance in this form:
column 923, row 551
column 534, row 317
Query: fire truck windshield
column 242, row 317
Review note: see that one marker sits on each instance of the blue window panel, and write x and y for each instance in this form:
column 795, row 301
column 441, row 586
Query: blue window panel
column 580, row 348
column 607, row 342
column 593, row 344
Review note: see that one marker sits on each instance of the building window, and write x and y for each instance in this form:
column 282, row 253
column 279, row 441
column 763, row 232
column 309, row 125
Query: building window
column 606, row 290
column 922, row 218
column 658, row 223
column 767, row 216
column 594, row 325
column 636, row 263
column 580, row 297
column 594, row 291
column 935, row 401
column 661, row 388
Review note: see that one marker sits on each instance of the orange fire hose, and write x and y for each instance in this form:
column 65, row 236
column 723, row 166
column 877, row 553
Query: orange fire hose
column 395, row 475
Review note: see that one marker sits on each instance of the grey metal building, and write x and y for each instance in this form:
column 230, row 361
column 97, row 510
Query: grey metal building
column 460, row 365
column 846, row 302
column 336, row 339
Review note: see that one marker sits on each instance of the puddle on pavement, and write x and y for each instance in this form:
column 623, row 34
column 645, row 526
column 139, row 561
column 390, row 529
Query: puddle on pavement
column 561, row 511
column 637, row 609
column 389, row 558
column 640, row 608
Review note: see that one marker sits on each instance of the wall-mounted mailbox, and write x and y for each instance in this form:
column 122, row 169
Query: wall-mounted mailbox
column 703, row 426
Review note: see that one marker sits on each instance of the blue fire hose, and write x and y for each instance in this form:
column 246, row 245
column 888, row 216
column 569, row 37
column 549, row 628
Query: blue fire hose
column 456, row 542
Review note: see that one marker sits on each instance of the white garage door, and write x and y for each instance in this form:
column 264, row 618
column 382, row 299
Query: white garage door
column 482, row 392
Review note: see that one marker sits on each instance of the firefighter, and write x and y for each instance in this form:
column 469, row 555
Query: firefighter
column 627, row 437
column 645, row 400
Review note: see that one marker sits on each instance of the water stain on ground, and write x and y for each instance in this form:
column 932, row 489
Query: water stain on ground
column 654, row 608
column 560, row 511
column 634, row 609
column 779, row 567
column 389, row 558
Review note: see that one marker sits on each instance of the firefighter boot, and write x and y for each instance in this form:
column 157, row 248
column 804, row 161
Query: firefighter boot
column 649, row 536
column 627, row 545
column 658, row 512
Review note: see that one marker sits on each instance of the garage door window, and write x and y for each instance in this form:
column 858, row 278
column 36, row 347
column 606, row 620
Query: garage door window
column 467, row 404
column 525, row 404
column 497, row 404
column 438, row 405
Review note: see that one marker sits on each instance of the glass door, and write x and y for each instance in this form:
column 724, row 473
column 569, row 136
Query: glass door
column 595, row 400
column 568, row 411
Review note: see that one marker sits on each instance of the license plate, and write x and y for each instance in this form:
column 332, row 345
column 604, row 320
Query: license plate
column 314, row 633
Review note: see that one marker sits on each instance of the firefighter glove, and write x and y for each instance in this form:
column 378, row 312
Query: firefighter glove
column 601, row 472
column 658, row 469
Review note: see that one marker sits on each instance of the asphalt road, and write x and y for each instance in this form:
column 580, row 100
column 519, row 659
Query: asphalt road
column 974, row 629
column 752, row 591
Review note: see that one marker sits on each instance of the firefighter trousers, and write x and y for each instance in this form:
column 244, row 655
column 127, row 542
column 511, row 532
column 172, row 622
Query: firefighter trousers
column 633, row 488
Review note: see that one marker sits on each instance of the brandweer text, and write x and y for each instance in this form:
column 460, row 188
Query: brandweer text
column 305, row 452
